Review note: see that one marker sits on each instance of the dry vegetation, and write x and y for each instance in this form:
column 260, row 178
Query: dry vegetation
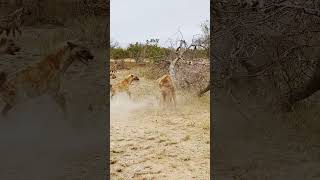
column 150, row 142
column 266, row 81
column 153, row 142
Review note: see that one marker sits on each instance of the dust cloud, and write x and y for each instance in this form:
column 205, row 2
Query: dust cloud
column 122, row 106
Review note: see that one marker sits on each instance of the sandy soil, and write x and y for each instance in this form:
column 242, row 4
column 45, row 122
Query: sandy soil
column 148, row 142
column 35, row 142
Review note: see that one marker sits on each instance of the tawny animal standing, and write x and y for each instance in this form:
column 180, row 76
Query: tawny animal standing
column 7, row 46
column 167, row 90
column 44, row 78
column 123, row 86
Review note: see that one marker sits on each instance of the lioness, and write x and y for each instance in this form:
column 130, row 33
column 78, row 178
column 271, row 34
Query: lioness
column 167, row 90
column 42, row 78
column 123, row 86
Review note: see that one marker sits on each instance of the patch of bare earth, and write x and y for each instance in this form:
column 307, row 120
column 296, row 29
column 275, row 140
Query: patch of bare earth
column 148, row 142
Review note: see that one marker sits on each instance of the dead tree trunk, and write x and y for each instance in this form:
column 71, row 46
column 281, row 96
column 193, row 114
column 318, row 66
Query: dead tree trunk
column 179, row 53
column 172, row 71
column 205, row 89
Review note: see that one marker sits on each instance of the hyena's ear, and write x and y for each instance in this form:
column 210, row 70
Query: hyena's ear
column 71, row 45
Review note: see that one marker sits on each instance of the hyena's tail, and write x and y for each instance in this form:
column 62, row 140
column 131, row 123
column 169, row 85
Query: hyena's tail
column 3, row 78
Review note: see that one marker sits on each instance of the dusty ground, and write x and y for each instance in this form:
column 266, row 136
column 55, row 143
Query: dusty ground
column 35, row 142
column 152, row 143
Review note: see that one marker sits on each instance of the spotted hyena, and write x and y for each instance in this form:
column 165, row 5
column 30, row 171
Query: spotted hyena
column 42, row 78
column 112, row 74
column 13, row 21
column 113, row 70
column 123, row 86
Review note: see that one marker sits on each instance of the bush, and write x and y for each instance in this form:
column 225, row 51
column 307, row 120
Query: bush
column 118, row 53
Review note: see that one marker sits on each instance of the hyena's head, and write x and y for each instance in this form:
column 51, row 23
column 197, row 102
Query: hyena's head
column 80, row 53
column 26, row 11
column 112, row 74
column 23, row 14
column 133, row 77
column 8, row 46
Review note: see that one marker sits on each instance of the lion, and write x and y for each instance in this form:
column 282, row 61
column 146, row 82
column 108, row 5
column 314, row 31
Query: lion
column 44, row 78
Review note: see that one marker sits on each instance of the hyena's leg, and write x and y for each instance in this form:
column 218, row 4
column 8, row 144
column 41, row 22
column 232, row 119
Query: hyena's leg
column 18, row 30
column 129, row 94
column 173, row 93
column 14, row 33
column 170, row 98
column 61, row 101
column 6, row 109
column 160, row 100
column 112, row 94
column 14, row 30
column 163, row 99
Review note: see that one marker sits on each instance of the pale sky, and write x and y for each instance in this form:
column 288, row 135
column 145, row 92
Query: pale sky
column 138, row 20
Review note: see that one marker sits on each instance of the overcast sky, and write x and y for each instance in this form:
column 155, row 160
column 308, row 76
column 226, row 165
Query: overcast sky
column 139, row 20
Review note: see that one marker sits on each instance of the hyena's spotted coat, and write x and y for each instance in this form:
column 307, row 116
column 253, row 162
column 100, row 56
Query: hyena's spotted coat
column 42, row 78
column 113, row 71
column 123, row 86
column 13, row 21
column 112, row 74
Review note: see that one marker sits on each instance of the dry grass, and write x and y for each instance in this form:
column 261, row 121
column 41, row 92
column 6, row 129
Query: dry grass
column 171, row 142
column 187, row 100
column 149, row 71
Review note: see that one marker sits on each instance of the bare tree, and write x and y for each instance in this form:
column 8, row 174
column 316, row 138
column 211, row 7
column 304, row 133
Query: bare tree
column 185, row 72
column 272, row 41
column 114, row 43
